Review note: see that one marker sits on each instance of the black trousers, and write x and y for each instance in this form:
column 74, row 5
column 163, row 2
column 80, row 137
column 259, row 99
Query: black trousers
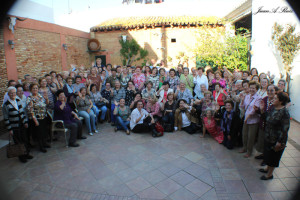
column 226, row 142
column 142, row 128
column 39, row 133
column 75, row 130
column 20, row 137
column 191, row 129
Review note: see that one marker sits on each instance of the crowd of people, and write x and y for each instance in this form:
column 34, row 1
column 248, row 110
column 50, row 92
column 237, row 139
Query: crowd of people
column 238, row 109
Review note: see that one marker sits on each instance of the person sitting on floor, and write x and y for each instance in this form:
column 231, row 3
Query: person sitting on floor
column 122, row 113
column 184, row 119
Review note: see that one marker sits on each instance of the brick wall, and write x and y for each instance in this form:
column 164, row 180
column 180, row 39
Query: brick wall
column 37, row 52
column 77, row 51
column 152, row 40
column 3, row 73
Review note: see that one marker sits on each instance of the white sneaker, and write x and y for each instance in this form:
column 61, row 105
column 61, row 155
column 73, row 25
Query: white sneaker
column 96, row 131
column 91, row 134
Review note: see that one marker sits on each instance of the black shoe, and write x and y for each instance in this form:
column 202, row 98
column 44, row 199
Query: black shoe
column 47, row 146
column 259, row 157
column 74, row 145
column 28, row 156
column 263, row 171
column 43, row 150
column 81, row 138
column 154, row 133
column 23, row 159
column 266, row 178
column 263, row 163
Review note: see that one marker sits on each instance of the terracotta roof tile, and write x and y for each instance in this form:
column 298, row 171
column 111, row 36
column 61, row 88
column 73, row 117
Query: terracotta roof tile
column 133, row 22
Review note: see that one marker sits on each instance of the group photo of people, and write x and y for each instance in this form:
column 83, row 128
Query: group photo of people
column 246, row 110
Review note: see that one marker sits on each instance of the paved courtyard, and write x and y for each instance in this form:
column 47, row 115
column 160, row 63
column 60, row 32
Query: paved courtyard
column 178, row 166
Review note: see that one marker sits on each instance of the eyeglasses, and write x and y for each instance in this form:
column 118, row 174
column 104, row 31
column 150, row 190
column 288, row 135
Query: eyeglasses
column 270, row 90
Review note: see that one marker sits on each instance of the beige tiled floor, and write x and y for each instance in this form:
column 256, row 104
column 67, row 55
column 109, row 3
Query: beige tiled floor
column 176, row 166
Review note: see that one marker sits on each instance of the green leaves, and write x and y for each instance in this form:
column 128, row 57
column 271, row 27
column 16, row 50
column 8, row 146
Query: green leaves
column 130, row 49
column 215, row 48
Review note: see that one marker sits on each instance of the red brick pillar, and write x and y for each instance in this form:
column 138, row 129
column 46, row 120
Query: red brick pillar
column 10, row 55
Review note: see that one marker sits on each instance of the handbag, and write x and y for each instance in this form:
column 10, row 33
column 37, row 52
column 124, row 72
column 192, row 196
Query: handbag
column 14, row 150
column 159, row 128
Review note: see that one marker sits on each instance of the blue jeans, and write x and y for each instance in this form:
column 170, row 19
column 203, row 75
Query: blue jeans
column 103, row 111
column 121, row 124
column 90, row 120
column 168, row 118
column 112, row 116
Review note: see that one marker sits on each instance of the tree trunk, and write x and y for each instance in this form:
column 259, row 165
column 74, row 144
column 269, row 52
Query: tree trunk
column 288, row 80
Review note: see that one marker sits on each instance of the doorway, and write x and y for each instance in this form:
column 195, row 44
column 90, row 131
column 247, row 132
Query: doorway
column 103, row 58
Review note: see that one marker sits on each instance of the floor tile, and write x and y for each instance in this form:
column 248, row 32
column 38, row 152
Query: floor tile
column 261, row 196
column 182, row 178
column 138, row 184
column 168, row 186
column 154, row 176
column 291, row 183
column 151, row 193
column 281, row 195
column 127, row 175
column 198, row 187
column 183, row 194
column 194, row 157
column 235, row 186
column 169, row 169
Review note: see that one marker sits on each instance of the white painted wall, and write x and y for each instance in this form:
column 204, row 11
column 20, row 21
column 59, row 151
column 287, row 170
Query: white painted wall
column 32, row 10
column 265, row 56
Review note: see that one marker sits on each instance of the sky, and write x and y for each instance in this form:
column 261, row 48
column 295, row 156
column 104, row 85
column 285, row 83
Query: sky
column 83, row 14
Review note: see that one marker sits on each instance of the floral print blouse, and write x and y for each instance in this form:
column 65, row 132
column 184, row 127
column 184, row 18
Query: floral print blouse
column 154, row 80
column 174, row 82
column 129, row 96
column 277, row 125
column 36, row 106
column 153, row 109
column 138, row 80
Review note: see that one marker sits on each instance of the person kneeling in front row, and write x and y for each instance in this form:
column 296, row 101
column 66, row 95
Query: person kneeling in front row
column 62, row 111
column 142, row 121
column 184, row 119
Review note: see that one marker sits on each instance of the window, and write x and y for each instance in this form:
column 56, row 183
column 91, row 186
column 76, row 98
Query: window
column 173, row 40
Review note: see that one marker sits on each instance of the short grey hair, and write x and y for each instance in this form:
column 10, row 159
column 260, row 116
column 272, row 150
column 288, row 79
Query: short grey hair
column 11, row 88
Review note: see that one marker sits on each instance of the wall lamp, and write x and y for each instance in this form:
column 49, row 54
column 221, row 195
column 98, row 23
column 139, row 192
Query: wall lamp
column 65, row 46
column 11, row 43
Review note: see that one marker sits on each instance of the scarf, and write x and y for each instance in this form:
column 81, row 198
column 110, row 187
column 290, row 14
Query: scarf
column 226, row 122
column 70, row 88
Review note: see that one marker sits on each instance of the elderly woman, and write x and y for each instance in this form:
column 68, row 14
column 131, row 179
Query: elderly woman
column 147, row 72
column 276, row 133
column 138, row 78
column 154, row 78
column 163, row 92
column 47, row 94
column 148, row 91
column 207, row 101
column 173, row 80
column 219, row 94
column 62, row 111
column 187, row 79
column 218, row 79
column 77, row 85
column 183, row 93
column 168, row 108
column 94, row 78
column 60, row 81
column 230, row 125
column 129, row 93
column 141, row 121
column 138, row 96
column 268, row 105
column 184, row 119
column 84, row 106
column 69, row 90
column 153, row 108
column 122, row 113
column 263, row 87
column 210, row 125
column 162, row 77
column 98, row 101
column 117, row 94
column 251, row 122
column 37, row 113
column 125, row 77
column 15, row 121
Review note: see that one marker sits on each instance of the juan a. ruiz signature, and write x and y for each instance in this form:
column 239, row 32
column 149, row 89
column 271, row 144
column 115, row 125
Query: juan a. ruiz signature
column 278, row 9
